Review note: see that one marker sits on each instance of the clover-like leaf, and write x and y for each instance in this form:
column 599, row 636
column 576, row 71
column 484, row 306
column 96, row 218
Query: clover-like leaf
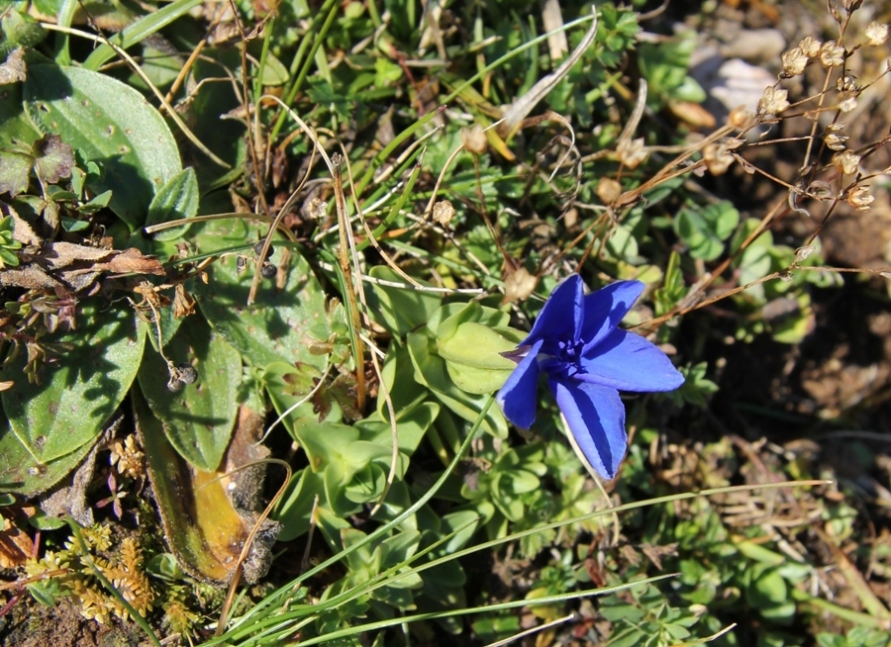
column 54, row 159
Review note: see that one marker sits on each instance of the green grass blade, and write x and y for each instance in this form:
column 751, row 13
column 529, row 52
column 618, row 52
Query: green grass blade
column 139, row 31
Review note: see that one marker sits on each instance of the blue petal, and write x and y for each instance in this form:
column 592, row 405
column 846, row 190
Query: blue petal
column 596, row 418
column 561, row 317
column 629, row 362
column 518, row 398
column 605, row 308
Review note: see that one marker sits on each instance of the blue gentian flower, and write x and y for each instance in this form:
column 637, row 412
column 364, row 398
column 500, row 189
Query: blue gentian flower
column 588, row 359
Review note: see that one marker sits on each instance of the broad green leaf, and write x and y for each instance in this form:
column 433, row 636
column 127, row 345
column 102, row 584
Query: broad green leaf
column 411, row 425
column 274, row 71
column 398, row 377
column 477, row 345
column 76, row 395
column 110, row 123
column 473, row 357
column 400, row 310
column 622, row 244
column 756, row 260
column 198, row 419
column 477, row 380
column 295, row 507
column 282, row 325
column 176, row 200
column 430, row 370
column 22, row 474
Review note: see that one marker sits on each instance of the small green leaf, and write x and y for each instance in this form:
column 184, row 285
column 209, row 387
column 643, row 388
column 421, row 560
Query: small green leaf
column 176, row 200
column 21, row 29
column 705, row 230
column 477, row 346
column 294, row 509
column 99, row 202
column 398, row 309
column 431, row 371
column 15, row 172
column 477, row 380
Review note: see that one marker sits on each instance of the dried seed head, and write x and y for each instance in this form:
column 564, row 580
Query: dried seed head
column 810, row 46
column 835, row 141
column 773, row 101
column 876, row 34
column 848, row 104
column 802, row 253
column 860, row 198
column 846, row 162
column 443, row 212
column 316, row 208
column 832, row 54
column 187, row 373
column 741, row 118
column 794, row 62
column 846, row 83
column 717, row 157
column 474, row 139
column 518, row 285
column 820, row 190
column 631, row 152
column 608, row 190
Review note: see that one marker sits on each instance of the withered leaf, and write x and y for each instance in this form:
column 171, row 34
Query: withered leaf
column 29, row 277
column 24, row 232
column 14, row 69
column 76, row 267
column 15, row 546
column 656, row 553
column 204, row 528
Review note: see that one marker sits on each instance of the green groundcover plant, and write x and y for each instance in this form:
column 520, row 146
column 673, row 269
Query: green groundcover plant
column 267, row 272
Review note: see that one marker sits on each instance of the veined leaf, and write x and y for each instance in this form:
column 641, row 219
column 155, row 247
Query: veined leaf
column 198, row 420
column 75, row 396
column 111, row 124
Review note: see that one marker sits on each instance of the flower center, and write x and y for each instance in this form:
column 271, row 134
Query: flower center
column 569, row 350
column 565, row 361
